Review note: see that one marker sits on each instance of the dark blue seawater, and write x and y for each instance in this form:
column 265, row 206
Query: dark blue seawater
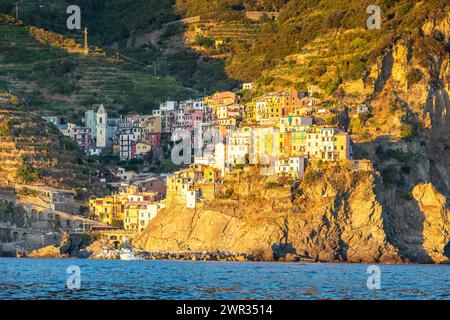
column 115, row 279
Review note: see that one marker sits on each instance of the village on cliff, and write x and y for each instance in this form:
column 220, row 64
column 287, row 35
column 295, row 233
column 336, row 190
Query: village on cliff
column 207, row 138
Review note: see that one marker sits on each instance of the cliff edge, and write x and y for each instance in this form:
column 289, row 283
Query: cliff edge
column 332, row 215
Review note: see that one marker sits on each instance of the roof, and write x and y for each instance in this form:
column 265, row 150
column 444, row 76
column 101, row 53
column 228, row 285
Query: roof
column 146, row 180
column 225, row 94
column 138, row 203
column 101, row 110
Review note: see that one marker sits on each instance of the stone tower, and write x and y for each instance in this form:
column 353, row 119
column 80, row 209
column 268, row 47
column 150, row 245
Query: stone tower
column 102, row 127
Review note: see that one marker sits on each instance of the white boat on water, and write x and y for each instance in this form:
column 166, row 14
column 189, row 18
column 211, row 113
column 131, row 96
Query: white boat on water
column 129, row 255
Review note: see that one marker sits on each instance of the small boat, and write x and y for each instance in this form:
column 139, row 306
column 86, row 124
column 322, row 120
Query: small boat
column 129, row 255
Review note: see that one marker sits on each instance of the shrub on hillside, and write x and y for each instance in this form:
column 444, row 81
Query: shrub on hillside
column 413, row 76
column 272, row 185
column 363, row 117
column 331, row 121
column 204, row 41
column 311, row 176
column 399, row 155
column 392, row 176
column 26, row 173
column 407, row 132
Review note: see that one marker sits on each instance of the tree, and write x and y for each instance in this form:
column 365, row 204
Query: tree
column 27, row 174
column 6, row 6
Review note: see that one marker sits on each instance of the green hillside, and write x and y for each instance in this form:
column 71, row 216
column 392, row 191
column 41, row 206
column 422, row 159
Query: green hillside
column 52, row 80
column 324, row 42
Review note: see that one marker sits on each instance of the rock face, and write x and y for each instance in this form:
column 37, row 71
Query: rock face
column 436, row 223
column 73, row 246
column 333, row 217
column 47, row 252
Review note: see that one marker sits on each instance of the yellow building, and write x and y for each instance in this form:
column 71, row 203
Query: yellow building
column 111, row 210
column 181, row 190
column 132, row 212
column 276, row 104
column 328, row 143
column 211, row 175
column 342, row 146
column 149, row 125
column 139, row 213
column 142, row 149
column 249, row 114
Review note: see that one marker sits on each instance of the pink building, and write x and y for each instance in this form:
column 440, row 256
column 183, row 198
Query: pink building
column 82, row 137
column 131, row 119
column 155, row 140
column 152, row 184
column 197, row 117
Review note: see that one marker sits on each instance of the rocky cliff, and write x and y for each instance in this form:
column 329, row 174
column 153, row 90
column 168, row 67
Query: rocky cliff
column 398, row 212
column 334, row 214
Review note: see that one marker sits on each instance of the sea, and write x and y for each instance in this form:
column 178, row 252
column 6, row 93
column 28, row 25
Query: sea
column 68, row 279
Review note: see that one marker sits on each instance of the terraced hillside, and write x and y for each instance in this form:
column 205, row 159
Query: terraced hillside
column 51, row 80
column 229, row 30
column 34, row 152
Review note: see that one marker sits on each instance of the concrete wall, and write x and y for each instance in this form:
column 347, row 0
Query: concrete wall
column 8, row 195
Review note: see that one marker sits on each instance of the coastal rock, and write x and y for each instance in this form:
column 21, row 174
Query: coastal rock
column 436, row 224
column 334, row 217
column 76, row 245
column 47, row 252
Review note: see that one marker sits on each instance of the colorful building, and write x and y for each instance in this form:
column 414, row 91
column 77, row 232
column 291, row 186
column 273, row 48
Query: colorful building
column 293, row 167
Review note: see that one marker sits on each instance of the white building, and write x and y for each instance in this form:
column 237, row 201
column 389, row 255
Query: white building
column 148, row 211
column 293, row 167
column 55, row 120
column 216, row 159
column 247, row 86
column 125, row 175
column 238, row 147
column 362, row 109
column 128, row 136
column 320, row 144
column 68, row 129
column 102, row 127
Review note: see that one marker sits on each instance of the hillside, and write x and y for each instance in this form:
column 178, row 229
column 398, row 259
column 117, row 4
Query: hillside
column 51, row 75
column 398, row 212
column 401, row 72
column 324, row 42
column 34, row 152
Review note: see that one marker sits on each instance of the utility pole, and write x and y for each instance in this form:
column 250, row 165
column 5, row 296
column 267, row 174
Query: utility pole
column 17, row 10
column 117, row 56
column 154, row 69
column 86, row 49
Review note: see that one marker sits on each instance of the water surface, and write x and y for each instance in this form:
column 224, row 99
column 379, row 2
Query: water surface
column 115, row 279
